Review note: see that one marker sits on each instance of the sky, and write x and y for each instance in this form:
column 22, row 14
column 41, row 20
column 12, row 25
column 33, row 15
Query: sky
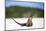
column 25, row 4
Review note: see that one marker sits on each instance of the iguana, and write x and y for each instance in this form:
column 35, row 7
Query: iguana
column 29, row 22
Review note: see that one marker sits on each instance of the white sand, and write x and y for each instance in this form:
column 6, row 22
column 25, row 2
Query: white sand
column 10, row 24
